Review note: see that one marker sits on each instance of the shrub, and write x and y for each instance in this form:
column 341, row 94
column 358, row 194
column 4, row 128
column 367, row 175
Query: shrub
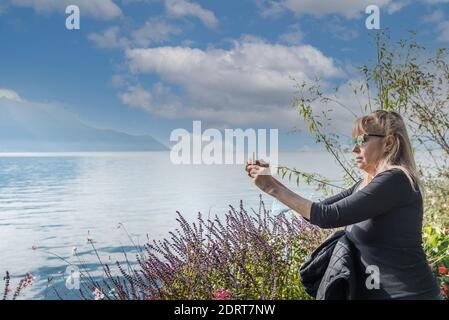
column 436, row 245
column 250, row 256
column 239, row 256
column 8, row 292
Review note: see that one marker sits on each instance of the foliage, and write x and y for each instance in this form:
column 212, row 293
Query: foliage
column 252, row 256
column 407, row 78
column 24, row 282
column 413, row 81
column 436, row 245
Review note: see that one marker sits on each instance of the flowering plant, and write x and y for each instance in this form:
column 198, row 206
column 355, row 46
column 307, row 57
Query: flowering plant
column 436, row 244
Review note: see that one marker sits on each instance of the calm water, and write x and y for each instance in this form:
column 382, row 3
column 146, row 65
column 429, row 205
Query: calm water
column 55, row 201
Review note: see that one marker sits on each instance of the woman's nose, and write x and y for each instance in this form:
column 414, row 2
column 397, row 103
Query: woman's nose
column 356, row 149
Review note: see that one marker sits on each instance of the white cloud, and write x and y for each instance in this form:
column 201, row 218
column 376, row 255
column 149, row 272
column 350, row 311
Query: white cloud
column 109, row 39
column 397, row 5
column 339, row 30
column 3, row 8
column 118, row 81
column 435, row 1
column 137, row 1
column 9, row 94
column 435, row 16
column 159, row 100
column 349, row 107
column 294, row 35
column 239, row 85
column 270, row 8
column 155, row 30
column 319, row 8
column 182, row 8
column 102, row 9
column 442, row 25
column 443, row 28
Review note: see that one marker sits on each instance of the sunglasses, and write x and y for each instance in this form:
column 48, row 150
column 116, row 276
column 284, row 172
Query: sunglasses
column 363, row 138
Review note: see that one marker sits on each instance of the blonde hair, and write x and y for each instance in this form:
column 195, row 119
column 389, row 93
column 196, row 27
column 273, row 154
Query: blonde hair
column 400, row 154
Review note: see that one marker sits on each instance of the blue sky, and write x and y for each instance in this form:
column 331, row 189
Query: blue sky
column 150, row 66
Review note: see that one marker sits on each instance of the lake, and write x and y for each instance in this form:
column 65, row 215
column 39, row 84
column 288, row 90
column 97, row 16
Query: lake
column 51, row 203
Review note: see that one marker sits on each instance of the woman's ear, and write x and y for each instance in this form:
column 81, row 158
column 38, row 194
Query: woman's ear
column 389, row 142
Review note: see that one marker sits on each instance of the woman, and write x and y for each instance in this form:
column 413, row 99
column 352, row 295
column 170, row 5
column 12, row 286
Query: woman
column 382, row 213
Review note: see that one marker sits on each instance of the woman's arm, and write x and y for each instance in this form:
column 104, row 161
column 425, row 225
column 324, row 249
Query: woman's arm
column 387, row 190
column 341, row 195
column 292, row 200
column 300, row 204
column 267, row 183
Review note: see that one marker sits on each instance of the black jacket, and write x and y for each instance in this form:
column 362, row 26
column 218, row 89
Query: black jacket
column 329, row 272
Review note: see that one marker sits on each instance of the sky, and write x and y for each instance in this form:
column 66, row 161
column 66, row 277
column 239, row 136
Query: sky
column 151, row 66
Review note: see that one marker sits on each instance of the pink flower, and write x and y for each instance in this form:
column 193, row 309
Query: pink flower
column 28, row 280
column 444, row 290
column 222, row 294
column 98, row 294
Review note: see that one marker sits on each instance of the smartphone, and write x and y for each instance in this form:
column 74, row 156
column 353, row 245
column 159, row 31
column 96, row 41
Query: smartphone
column 257, row 162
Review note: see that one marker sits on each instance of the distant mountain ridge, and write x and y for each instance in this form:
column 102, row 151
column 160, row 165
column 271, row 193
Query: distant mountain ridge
column 34, row 127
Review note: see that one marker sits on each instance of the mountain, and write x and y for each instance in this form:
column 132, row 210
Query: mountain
column 28, row 127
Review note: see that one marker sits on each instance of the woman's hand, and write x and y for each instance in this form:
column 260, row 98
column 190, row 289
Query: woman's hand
column 261, row 175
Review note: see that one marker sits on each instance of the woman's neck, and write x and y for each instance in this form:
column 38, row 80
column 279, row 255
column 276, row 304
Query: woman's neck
column 372, row 173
